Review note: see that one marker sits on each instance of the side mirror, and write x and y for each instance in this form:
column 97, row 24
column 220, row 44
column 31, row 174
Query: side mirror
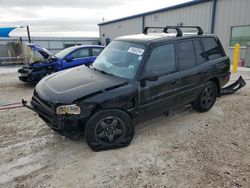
column 150, row 76
column 68, row 58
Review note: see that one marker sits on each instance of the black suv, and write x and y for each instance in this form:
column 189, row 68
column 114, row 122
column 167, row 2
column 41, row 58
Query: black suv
column 134, row 78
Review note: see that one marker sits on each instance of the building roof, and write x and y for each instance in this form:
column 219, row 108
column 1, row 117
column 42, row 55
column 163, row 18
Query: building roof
column 190, row 3
column 14, row 38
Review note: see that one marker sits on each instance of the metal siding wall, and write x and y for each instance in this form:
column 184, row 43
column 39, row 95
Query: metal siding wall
column 44, row 44
column 231, row 13
column 114, row 30
column 199, row 14
column 228, row 13
column 3, row 50
column 55, row 45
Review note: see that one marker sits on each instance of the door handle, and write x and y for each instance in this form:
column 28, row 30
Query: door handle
column 175, row 82
column 204, row 72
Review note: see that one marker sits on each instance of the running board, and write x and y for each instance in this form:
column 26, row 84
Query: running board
column 240, row 83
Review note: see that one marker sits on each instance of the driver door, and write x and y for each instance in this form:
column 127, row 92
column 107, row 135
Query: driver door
column 80, row 56
column 158, row 96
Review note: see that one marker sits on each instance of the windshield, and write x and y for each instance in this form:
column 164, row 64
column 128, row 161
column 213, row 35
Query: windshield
column 120, row 59
column 64, row 52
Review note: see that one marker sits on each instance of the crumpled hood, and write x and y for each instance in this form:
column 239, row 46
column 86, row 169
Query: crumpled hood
column 44, row 52
column 67, row 86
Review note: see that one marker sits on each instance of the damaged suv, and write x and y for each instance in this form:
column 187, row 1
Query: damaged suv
column 65, row 59
column 134, row 78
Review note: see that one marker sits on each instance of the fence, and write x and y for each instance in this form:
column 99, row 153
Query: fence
column 13, row 60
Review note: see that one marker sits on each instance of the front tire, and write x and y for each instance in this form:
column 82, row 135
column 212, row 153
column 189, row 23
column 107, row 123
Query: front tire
column 109, row 129
column 206, row 98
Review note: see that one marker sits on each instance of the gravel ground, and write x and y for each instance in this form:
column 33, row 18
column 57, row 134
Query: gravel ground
column 184, row 149
column 9, row 69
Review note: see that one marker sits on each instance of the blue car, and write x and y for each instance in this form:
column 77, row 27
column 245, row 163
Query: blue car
column 65, row 59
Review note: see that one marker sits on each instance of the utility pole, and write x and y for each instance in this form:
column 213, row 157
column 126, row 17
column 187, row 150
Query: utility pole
column 21, row 40
column 28, row 32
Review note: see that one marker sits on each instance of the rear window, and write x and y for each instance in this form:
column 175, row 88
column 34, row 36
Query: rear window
column 185, row 55
column 211, row 49
column 200, row 58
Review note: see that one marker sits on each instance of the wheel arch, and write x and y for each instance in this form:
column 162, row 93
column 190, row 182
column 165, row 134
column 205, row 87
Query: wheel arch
column 217, row 82
column 100, row 108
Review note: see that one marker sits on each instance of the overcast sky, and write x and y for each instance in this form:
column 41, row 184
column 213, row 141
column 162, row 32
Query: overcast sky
column 71, row 17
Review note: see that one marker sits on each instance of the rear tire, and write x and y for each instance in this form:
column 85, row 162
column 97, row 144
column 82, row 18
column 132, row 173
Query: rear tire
column 206, row 98
column 109, row 129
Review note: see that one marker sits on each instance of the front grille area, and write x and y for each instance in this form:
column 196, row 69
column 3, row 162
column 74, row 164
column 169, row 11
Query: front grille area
column 39, row 100
column 41, row 105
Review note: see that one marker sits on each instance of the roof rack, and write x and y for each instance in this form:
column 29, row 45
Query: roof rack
column 177, row 28
column 200, row 31
column 165, row 29
column 145, row 31
column 179, row 32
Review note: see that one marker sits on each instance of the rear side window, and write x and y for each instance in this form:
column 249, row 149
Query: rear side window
column 200, row 58
column 185, row 55
column 96, row 51
column 211, row 48
column 162, row 60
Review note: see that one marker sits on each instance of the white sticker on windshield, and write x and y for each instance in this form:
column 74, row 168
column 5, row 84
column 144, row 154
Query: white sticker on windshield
column 135, row 50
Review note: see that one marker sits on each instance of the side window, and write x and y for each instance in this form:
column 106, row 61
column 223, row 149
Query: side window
column 162, row 60
column 185, row 55
column 200, row 58
column 96, row 51
column 211, row 48
column 84, row 52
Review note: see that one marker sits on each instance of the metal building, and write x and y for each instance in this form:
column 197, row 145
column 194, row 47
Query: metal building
column 53, row 44
column 13, row 50
column 229, row 19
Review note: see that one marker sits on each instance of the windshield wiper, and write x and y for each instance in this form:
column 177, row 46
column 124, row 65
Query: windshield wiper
column 103, row 72
column 92, row 67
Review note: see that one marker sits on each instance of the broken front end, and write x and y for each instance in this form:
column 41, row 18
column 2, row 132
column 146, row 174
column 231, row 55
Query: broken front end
column 34, row 72
column 66, row 124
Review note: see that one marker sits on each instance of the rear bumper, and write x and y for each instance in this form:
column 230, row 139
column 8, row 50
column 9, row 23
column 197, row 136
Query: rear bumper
column 69, row 124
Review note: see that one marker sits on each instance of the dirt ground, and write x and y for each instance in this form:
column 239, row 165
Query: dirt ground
column 184, row 149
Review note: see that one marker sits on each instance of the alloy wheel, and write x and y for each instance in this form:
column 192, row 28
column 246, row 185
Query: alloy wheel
column 109, row 129
column 207, row 97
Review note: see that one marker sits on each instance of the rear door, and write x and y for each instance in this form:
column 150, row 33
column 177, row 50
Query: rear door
column 217, row 60
column 188, row 68
column 158, row 96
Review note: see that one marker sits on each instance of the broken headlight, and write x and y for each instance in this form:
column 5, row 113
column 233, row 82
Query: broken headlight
column 72, row 109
